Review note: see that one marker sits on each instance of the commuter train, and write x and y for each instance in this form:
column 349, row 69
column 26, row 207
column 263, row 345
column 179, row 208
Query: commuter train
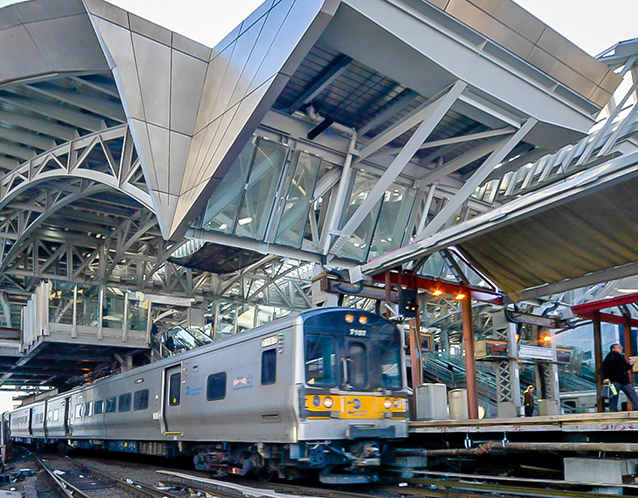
column 321, row 393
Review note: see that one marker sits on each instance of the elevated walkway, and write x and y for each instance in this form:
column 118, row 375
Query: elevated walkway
column 72, row 331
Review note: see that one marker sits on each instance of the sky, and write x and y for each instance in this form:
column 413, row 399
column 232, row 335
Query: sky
column 593, row 25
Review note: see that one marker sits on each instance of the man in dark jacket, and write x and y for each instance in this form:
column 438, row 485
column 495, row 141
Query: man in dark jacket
column 615, row 368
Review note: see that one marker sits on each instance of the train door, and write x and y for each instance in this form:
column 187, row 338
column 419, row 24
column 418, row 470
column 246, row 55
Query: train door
column 173, row 400
column 356, row 373
column 68, row 430
column 31, row 422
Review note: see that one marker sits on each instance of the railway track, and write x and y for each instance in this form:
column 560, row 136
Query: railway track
column 67, row 477
column 86, row 481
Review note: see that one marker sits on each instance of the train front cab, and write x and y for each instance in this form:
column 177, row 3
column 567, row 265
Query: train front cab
column 353, row 400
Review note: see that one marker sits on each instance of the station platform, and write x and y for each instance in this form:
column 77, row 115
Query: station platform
column 576, row 422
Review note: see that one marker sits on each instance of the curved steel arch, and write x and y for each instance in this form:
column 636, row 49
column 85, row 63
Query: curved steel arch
column 51, row 165
column 23, row 237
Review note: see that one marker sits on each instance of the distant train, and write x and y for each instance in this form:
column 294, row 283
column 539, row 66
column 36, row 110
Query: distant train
column 321, row 392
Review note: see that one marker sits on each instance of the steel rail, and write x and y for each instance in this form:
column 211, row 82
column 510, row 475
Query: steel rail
column 67, row 488
column 136, row 487
column 463, row 482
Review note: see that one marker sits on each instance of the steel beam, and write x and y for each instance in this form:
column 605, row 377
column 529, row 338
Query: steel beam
column 419, row 115
column 499, row 154
column 331, row 73
column 436, row 111
column 399, row 103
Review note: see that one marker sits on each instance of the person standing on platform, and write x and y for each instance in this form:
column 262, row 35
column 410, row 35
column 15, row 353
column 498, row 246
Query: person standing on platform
column 528, row 401
column 615, row 370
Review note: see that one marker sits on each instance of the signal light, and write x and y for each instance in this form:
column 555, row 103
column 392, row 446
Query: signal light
column 349, row 318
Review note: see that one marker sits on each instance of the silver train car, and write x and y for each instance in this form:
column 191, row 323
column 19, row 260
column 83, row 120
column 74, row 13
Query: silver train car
column 322, row 392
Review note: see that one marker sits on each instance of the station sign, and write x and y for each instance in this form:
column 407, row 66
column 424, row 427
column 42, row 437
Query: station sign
column 535, row 353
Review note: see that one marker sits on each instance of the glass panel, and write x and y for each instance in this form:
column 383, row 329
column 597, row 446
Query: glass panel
column 141, row 400
column 174, row 389
column 473, row 277
column 110, row 405
column 225, row 320
column 357, row 365
column 246, row 318
column 137, row 315
column 124, row 403
column 262, row 187
column 434, row 266
column 295, row 217
column 61, row 302
column 113, row 309
column 216, row 388
column 99, row 407
column 390, row 367
column 396, row 209
column 321, row 361
column 357, row 246
column 268, row 367
column 88, row 306
column 221, row 211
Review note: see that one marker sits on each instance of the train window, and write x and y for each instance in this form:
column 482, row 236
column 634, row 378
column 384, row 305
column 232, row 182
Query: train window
column 268, row 367
column 390, row 368
column 124, row 403
column 140, row 401
column 216, row 387
column 110, row 405
column 56, row 415
column 321, row 360
column 357, row 365
column 88, row 409
column 99, row 407
column 174, row 389
column 78, row 411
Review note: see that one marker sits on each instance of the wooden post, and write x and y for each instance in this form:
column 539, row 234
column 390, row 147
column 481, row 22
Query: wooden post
column 598, row 360
column 470, row 361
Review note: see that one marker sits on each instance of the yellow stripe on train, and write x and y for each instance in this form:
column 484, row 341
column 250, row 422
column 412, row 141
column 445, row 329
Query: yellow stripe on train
column 354, row 406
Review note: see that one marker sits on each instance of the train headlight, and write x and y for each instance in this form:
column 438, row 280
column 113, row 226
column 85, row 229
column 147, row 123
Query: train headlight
column 349, row 318
column 363, row 319
column 316, row 401
column 387, row 403
column 397, row 403
column 328, row 402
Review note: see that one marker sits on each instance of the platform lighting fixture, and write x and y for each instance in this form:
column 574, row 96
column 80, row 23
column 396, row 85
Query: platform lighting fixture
column 547, row 338
column 245, row 221
column 437, row 292
column 459, row 296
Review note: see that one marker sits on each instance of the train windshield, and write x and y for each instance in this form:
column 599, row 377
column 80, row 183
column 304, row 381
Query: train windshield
column 339, row 355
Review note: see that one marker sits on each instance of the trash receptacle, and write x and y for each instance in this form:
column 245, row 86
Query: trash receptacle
column 431, row 402
column 548, row 407
column 458, row 404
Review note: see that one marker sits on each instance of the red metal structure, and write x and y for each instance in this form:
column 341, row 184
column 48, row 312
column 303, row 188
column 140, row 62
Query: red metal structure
column 593, row 311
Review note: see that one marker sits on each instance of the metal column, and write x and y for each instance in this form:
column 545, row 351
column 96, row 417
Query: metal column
column 470, row 361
